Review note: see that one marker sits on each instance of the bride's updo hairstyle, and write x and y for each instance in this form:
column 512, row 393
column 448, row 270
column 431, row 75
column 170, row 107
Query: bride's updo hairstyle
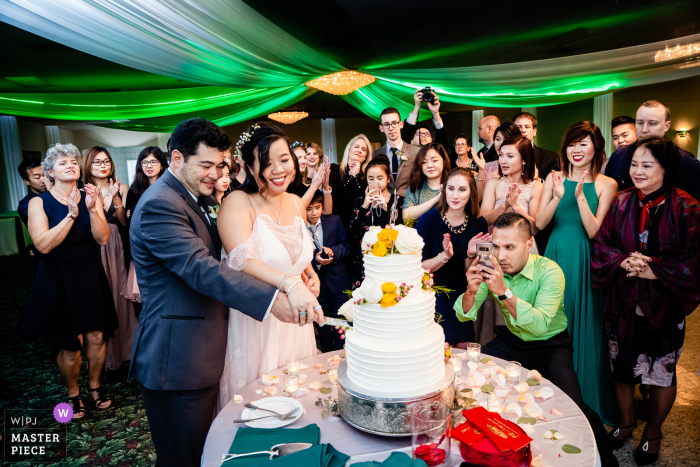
column 255, row 143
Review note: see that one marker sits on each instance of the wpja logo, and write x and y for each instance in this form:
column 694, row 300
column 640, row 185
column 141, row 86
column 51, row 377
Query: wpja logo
column 36, row 436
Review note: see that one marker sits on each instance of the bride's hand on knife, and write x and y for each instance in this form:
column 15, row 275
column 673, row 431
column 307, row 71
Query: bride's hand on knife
column 302, row 301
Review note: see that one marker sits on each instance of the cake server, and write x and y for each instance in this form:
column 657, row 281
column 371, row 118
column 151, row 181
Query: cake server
column 339, row 322
column 275, row 451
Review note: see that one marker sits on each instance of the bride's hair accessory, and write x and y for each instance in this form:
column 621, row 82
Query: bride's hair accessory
column 244, row 138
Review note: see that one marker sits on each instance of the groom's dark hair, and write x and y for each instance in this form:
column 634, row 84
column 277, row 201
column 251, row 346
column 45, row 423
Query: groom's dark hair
column 255, row 143
column 190, row 133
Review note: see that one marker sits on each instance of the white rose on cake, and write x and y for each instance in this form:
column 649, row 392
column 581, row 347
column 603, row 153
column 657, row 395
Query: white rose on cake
column 408, row 242
column 370, row 238
column 369, row 290
column 346, row 310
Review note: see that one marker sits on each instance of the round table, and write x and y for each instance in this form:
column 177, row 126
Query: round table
column 363, row 446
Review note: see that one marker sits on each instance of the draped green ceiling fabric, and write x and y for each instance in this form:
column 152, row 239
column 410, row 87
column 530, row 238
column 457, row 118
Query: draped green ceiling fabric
column 251, row 67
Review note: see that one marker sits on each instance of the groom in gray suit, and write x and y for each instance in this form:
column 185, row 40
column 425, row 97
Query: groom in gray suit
column 180, row 341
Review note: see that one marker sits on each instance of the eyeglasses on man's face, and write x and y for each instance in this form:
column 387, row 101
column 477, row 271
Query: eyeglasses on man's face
column 388, row 125
column 150, row 163
column 98, row 163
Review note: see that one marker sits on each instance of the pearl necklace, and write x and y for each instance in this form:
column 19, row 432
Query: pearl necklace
column 58, row 196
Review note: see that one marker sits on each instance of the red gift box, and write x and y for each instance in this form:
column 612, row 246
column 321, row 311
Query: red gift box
column 489, row 440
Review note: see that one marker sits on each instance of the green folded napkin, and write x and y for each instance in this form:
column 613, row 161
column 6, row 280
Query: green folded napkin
column 260, row 439
column 396, row 459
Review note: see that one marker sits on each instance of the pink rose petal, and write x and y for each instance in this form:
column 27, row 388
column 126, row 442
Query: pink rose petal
column 318, row 366
column 541, row 417
column 270, row 390
column 555, row 412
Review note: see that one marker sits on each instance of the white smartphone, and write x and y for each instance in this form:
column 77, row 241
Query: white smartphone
column 483, row 251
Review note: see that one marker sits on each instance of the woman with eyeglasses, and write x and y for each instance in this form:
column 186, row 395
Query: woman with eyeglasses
column 98, row 169
column 150, row 165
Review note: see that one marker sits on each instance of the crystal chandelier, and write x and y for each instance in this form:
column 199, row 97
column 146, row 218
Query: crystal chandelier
column 342, row 82
column 287, row 117
column 677, row 52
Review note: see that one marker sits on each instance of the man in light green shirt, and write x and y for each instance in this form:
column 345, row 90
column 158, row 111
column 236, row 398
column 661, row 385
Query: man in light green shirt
column 530, row 291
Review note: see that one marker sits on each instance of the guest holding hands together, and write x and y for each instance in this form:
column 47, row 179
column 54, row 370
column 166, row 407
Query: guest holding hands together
column 576, row 200
column 347, row 180
column 450, row 232
column 71, row 301
column 489, row 170
column 374, row 208
column 430, row 170
column 646, row 261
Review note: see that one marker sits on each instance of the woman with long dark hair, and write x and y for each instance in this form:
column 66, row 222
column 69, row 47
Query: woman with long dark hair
column 489, row 170
column 576, row 200
column 429, row 173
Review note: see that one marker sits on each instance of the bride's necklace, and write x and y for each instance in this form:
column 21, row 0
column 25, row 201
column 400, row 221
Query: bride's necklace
column 452, row 229
column 279, row 213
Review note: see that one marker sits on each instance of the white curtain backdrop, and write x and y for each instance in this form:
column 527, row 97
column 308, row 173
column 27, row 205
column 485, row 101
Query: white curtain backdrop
column 53, row 135
column 476, row 116
column 328, row 139
column 15, row 189
column 163, row 141
column 602, row 116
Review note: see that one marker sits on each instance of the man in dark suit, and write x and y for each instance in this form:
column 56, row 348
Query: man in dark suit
column 330, row 250
column 545, row 160
column 487, row 127
column 33, row 176
column 180, row 341
column 400, row 154
column 653, row 119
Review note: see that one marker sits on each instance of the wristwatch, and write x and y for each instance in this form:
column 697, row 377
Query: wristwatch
column 506, row 295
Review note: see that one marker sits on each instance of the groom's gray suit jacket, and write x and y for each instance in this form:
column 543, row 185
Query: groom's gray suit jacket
column 180, row 341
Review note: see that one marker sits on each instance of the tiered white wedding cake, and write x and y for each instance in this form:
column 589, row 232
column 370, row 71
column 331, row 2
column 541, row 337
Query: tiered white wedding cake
column 395, row 345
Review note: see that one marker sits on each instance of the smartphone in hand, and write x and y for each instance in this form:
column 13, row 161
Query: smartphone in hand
column 483, row 251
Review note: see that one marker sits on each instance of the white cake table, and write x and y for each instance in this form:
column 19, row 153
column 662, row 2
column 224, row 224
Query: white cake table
column 363, row 447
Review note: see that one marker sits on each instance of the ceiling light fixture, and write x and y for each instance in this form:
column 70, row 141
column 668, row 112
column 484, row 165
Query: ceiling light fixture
column 677, row 52
column 287, row 117
column 342, row 82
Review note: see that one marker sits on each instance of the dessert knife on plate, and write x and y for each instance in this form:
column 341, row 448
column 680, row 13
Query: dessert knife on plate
column 339, row 322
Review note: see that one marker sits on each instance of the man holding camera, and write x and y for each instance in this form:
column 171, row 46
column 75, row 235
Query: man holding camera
column 421, row 135
column 530, row 292
column 400, row 154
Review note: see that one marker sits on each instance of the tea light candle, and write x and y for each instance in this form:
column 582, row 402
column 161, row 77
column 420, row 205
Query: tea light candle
column 473, row 352
column 513, row 372
column 293, row 367
column 457, row 363
column 494, row 403
column 333, row 376
column 291, row 386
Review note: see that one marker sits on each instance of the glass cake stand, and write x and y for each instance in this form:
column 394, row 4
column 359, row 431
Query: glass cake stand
column 379, row 414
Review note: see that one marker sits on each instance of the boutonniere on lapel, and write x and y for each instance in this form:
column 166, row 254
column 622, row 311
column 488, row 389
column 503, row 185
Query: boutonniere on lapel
column 213, row 212
column 401, row 156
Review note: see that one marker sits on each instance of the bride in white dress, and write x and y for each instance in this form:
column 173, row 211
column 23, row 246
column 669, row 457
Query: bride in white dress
column 264, row 235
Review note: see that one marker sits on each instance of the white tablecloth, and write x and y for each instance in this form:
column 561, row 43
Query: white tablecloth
column 363, row 446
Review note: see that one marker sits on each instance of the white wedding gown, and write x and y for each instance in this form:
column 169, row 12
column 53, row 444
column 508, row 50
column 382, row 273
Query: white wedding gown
column 255, row 348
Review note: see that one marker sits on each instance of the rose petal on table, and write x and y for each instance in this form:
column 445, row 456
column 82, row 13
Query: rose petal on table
column 541, row 417
column 268, row 380
column 555, row 412
column 490, row 363
column 302, row 379
column 237, row 399
column 258, row 391
column 473, row 365
column 537, row 461
column 502, row 381
column 316, row 385
column 548, row 435
column 473, row 373
column 476, row 392
column 522, row 387
column 529, row 429
column 502, row 392
column 534, row 374
column 513, row 407
column 270, row 390
column 480, row 380
column 500, row 370
column 303, row 366
column 302, row 392
column 488, row 371
column 533, row 409
column 526, row 398
column 318, row 366
column 545, row 393
column 558, row 436
column 335, row 360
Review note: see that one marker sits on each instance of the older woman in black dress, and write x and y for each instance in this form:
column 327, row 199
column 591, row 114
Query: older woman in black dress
column 71, row 301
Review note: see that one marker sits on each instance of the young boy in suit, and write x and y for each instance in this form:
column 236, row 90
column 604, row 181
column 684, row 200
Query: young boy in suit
column 331, row 249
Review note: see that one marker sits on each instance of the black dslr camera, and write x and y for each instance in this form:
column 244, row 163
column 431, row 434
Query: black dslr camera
column 428, row 94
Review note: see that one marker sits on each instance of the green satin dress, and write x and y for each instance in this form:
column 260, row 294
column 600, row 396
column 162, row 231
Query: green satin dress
column 572, row 250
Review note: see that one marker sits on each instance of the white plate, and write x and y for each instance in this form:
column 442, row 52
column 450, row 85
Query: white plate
column 278, row 404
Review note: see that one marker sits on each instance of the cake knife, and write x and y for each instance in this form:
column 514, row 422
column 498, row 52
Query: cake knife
column 339, row 322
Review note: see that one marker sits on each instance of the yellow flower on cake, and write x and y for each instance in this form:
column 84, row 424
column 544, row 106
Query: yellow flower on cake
column 379, row 249
column 387, row 236
column 389, row 287
column 389, row 299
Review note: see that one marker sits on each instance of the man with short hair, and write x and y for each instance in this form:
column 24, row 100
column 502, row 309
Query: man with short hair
column 530, row 292
column 422, row 135
column 545, row 160
column 400, row 154
column 487, row 127
column 623, row 131
column 31, row 172
column 653, row 119
column 180, row 342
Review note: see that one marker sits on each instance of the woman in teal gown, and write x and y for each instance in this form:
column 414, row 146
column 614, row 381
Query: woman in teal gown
column 576, row 200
